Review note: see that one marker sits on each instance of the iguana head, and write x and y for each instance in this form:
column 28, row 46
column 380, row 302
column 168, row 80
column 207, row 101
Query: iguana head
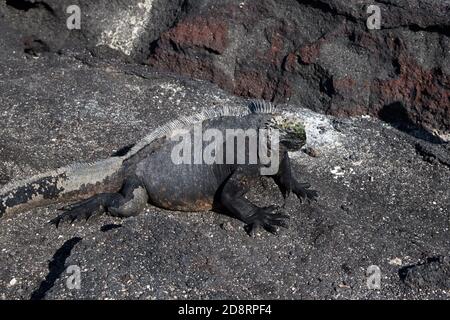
column 291, row 130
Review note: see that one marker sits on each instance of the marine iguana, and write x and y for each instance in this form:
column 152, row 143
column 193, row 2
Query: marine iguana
column 122, row 185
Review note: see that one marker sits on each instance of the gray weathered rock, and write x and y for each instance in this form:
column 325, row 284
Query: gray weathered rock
column 315, row 53
column 380, row 202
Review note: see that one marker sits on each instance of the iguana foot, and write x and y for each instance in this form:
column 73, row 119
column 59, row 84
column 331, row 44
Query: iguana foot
column 288, row 183
column 267, row 218
column 302, row 191
column 81, row 210
column 130, row 201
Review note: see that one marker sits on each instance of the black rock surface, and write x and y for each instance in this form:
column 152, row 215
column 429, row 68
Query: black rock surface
column 382, row 200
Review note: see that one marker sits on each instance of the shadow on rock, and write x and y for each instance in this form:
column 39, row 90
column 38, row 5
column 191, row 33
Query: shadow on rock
column 56, row 267
column 396, row 115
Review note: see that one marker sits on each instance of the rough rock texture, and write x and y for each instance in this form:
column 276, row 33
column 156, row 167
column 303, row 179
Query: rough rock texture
column 433, row 273
column 384, row 190
column 128, row 26
column 319, row 54
column 316, row 53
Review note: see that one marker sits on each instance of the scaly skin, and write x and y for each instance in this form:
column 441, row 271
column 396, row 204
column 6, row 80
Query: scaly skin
column 124, row 185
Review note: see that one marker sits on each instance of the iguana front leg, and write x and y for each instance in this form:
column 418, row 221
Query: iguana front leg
column 232, row 198
column 287, row 182
column 128, row 202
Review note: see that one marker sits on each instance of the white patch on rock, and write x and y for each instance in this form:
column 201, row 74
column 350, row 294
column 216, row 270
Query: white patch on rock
column 320, row 133
column 127, row 27
column 13, row 282
column 174, row 88
column 395, row 262
column 337, row 171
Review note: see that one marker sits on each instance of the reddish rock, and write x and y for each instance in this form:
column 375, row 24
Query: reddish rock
column 424, row 93
column 262, row 49
column 344, row 85
column 254, row 84
column 275, row 53
column 190, row 66
column 250, row 84
column 205, row 37
column 207, row 33
column 310, row 53
column 290, row 61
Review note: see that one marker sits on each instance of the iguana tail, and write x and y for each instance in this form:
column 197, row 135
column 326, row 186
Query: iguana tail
column 75, row 182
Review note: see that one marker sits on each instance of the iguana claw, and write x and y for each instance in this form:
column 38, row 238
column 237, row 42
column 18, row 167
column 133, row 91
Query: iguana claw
column 268, row 219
